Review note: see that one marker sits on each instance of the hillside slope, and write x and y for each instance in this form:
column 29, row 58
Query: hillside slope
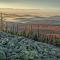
column 20, row 48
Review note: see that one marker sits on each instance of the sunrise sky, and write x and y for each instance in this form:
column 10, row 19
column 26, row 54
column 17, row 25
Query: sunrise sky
column 31, row 4
column 46, row 7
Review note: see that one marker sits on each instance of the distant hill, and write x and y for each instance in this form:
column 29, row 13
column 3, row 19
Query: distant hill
column 33, row 12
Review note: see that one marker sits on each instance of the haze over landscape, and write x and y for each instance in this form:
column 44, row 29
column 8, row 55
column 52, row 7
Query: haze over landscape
column 31, row 11
column 29, row 29
column 43, row 7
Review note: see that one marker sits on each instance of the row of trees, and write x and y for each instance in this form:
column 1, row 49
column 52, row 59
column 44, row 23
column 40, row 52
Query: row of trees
column 42, row 37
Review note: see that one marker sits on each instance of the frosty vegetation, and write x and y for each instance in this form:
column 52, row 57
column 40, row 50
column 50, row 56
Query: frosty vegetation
column 19, row 48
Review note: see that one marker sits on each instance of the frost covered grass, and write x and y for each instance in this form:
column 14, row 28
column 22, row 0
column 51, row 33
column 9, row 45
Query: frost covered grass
column 19, row 48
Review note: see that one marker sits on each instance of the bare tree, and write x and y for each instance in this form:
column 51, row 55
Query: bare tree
column 1, row 22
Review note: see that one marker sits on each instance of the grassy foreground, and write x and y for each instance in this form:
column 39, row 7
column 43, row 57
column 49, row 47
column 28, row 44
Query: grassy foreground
column 20, row 48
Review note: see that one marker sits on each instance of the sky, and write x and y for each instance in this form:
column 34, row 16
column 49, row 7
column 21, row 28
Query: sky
column 52, row 7
column 30, row 4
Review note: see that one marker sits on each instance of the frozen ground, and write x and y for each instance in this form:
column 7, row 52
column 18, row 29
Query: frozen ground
column 20, row 48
